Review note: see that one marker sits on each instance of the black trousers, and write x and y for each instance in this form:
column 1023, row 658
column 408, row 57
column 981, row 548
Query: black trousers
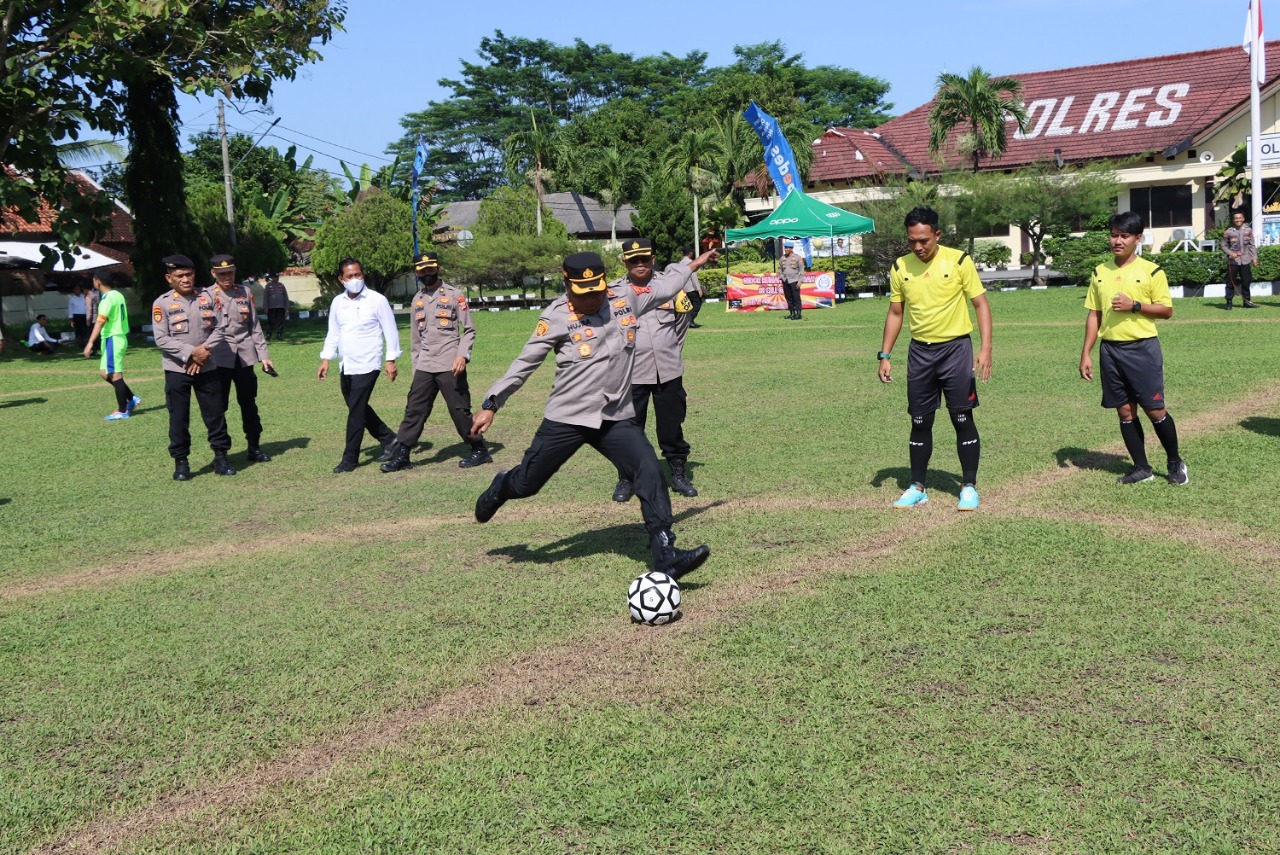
column 80, row 323
column 1239, row 278
column 422, row 397
column 697, row 300
column 275, row 323
column 792, row 292
column 245, row 379
column 356, row 389
column 669, row 408
column 207, row 385
column 622, row 443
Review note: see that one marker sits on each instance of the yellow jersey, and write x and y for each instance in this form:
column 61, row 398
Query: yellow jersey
column 934, row 294
column 1140, row 280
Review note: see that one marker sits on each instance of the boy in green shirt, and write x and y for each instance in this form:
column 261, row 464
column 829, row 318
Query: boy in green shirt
column 113, row 325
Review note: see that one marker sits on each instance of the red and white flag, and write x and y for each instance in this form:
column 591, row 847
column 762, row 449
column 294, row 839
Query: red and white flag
column 1253, row 38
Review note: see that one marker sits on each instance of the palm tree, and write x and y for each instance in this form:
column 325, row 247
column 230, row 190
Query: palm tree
column 690, row 161
column 532, row 153
column 979, row 104
column 616, row 175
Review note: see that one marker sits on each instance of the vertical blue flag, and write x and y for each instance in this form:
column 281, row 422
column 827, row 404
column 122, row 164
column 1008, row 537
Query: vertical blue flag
column 778, row 158
column 419, row 162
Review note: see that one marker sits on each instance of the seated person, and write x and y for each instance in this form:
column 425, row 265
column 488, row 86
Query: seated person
column 39, row 339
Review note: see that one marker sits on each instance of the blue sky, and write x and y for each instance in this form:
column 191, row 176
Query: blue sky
column 388, row 60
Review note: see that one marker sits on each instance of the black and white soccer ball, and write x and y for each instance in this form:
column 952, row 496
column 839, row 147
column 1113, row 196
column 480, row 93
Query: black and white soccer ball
column 654, row 598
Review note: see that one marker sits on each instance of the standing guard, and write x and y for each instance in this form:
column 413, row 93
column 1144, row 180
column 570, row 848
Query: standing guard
column 240, row 347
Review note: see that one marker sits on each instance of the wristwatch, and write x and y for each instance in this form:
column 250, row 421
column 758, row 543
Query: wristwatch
column 883, row 355
column 490, row 404
column 1137, row 307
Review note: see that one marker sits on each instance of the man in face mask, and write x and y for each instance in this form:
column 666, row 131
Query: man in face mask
column 440, row 336
column 360, row 321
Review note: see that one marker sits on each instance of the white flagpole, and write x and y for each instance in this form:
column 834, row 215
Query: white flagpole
column 1255, row 116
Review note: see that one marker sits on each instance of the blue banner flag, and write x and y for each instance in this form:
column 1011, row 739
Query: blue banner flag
column 419, row 162
column 778, row 158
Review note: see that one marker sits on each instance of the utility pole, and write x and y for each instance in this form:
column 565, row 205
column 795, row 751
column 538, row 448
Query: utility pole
column 226, row 172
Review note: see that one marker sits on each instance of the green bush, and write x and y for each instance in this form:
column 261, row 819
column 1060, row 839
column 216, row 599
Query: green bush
column 992, row 253
column 1076, row 256
column 1268, row 269
column 1192, row 268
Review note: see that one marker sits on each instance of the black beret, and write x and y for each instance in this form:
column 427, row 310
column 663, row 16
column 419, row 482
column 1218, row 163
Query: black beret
column 177, row 262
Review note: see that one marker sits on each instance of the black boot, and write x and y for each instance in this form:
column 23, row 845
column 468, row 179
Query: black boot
column 478, row 456
column 491, row 499
column 680, row 480
column 1229, row 306
column 257, row 455
column 390, row 450
column 181, row 469
column 675, row 562
column 221, row 464
column 399, row 460
column 624, row 491
column 1249, row 304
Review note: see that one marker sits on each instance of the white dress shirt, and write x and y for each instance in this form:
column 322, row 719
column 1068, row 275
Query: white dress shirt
column 76, row 305
column 37, row 334
column 358, row 326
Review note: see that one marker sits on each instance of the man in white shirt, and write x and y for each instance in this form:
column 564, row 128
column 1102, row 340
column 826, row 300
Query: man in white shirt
column 77, row 313
column 360, row 321
column 39, row 339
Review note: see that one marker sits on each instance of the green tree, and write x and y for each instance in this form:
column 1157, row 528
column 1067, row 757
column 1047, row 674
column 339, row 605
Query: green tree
column 978, row 105
column 618, row 176
column 375, row 230
column 691, row 162
column 888, row 242
column 534, row 152
column 507, row 260
column 510, row 211
column 663, row 215
column 259, row 247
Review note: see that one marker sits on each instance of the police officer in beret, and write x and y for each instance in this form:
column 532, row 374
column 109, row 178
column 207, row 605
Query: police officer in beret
column 791, row 271
column 441, row 335
column 659, row 369
column 241, row 346
column 185, row 324
column 592, row 331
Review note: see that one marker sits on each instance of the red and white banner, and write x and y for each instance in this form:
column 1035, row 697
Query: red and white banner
column 762, row 292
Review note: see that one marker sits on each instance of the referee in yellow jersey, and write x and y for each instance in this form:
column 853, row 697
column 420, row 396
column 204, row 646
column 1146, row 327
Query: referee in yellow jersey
column 930, row 288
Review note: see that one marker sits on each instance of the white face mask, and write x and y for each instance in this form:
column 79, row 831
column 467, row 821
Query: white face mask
column 354, row 286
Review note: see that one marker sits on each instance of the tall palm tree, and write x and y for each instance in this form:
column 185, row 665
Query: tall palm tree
column 691, row 161
column 532, row 153
column 616, row 175
column 979, row 104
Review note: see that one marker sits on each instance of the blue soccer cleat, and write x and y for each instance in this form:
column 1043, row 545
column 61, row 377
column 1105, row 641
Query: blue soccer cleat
column 912, row 497
column 116, row 416
column 133, row 404
column 968, row 499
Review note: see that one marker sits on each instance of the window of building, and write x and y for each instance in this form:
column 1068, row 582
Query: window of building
column 994, row 231
column 1162, row 206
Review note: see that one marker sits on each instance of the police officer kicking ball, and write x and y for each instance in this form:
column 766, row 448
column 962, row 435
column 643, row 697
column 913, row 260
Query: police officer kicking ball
column 592, row 331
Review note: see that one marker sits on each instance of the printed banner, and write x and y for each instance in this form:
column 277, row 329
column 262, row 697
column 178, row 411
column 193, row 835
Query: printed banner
column 761, row 292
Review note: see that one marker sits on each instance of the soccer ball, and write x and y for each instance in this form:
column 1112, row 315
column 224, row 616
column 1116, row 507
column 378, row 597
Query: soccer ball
column 654, row 598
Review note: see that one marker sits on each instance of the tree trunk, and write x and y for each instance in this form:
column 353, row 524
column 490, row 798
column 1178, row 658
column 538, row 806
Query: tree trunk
column 697, row 235
column 153, row 184
column 613, row 229
column 537, row 192
column 1036, row 239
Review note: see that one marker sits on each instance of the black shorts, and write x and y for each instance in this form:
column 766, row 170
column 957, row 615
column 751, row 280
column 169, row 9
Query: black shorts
column 938, row 370
column 1132, row 371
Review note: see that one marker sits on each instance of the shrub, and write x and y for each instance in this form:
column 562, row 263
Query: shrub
column 992, row 253
column 1192, row 268
column 1075, row 257
column 1268, row 269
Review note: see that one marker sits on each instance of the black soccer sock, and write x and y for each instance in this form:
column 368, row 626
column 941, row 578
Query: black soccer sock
column 968, row 445
column 1135, row 442
column 1167, row 432
column 122, row 395
column 921, row 446
column 128, row 393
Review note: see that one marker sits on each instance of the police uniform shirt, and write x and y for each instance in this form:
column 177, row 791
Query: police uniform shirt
column 934, row 293
column 440, row 329
column 241, row 333
column 791, row 268
column 1140, row 280
column 181, row 324
column 660, row 338
column 595, row 354
column 1239, row 240
column 694, row 285
column 275, row 296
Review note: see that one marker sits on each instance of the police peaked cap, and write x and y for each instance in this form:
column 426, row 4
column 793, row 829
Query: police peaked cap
column 425, row 261
column 636, row 247
column 584, row 271
column 177, row 262
column 222, row 262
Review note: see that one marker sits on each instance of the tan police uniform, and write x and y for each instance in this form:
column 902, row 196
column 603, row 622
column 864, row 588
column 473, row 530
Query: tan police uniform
column 180, row 325
column 275, row 299
column 791, row 270
column 240, row 347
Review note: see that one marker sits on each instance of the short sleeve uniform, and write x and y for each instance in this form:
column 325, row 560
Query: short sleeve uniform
column 1131, row 361
column 115, row 332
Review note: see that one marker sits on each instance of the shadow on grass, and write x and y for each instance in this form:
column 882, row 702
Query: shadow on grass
column 948, row 482
column 1083, row 458
column 22, row 402
column 629, row 541
column 1262, row 424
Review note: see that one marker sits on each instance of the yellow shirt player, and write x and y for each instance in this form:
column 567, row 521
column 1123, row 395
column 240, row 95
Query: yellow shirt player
column 932, row 289
column 1126, row 296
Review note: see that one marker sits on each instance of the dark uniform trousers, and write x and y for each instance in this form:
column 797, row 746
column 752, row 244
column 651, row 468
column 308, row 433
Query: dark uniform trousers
column 1239, row 279
column 792, row 292
column 697, row 300
column 178, row 386
column 669, row 409
column 422, row 397
column 622, row 443
column 245, row 380
column 275, row 323
column 356, row 390
column 80, row 323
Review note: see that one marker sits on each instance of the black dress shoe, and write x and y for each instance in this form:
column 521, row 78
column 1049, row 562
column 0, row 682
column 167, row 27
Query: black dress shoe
column 491, row 499
column 398, row 462
column 1249, row 304
column 257, row 455
column 477, row 457
column 389, row 450
column 624, row 491
column 181, row 469
column 221, row 465
column 344, row 466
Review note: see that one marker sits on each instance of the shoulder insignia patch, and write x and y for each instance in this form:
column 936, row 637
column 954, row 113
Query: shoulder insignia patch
column 157, row 314
column 542, row 328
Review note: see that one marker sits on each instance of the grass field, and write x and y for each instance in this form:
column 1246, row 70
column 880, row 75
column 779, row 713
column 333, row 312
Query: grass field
column 291, row 660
